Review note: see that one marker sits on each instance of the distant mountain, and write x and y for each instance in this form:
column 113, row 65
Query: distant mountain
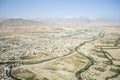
column 79, row 20
column 2, row 19
column 17, row 22
column 104, row 20
column 67, row 20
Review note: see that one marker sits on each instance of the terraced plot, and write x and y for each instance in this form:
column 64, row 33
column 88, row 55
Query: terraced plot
column 106, row 59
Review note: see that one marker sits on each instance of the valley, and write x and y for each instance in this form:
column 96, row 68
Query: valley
column 56, row 52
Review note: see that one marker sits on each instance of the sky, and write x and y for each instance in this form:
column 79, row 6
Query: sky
column 60, row 8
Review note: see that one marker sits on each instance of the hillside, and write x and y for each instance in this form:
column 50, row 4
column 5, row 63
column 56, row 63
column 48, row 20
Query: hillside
column 17, row 22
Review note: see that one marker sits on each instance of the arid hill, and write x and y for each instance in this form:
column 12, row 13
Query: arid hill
column 20, row 23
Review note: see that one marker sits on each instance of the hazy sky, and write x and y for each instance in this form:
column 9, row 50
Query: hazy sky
column 60, row 8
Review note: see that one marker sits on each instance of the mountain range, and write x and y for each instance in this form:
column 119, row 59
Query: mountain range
column 19, row 22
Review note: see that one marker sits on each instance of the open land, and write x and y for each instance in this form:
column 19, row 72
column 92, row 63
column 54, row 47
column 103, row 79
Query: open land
column 60, row 52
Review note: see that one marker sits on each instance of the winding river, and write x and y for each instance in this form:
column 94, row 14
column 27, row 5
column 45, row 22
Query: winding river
column 91, row 60
column 77, row 49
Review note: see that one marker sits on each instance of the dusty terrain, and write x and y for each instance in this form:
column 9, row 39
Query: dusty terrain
column 60, row 52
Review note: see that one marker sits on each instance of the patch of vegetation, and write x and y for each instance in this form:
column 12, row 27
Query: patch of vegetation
column 77, row 59
column 109, row 42
column 114, row 70
column 30, row 78
column 101, row 56
column 45, row 78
